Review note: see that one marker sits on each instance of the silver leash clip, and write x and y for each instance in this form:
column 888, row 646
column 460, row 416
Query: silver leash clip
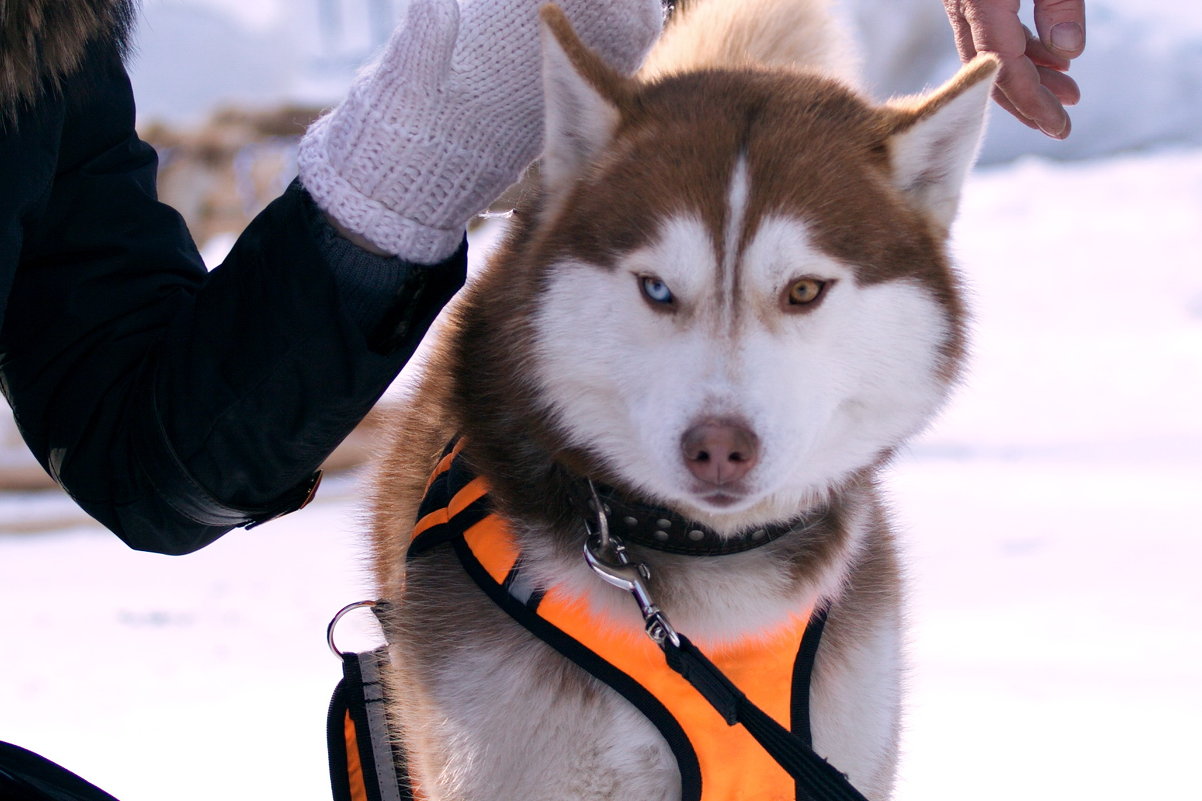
column 607, row 556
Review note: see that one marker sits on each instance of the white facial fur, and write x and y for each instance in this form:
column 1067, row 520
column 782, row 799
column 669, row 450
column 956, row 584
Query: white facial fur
column 825, row 391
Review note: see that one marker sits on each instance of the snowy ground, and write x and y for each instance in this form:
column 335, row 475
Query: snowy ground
column 1051, row 522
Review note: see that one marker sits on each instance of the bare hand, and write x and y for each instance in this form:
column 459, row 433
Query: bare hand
column 1032, row 84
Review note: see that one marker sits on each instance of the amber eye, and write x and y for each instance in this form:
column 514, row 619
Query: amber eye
column 806, row 291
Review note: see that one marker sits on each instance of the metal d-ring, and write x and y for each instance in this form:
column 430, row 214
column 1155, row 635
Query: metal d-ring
column 341, row 612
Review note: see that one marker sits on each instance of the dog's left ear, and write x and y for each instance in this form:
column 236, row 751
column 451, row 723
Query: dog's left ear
column 935, row 139
column 583, row 95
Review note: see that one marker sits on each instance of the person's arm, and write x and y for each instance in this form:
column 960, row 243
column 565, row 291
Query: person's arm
column 175, row 404
column 1033, row 84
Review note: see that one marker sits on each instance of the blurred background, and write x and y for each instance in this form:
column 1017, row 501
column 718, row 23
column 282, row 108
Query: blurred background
column 1050, row 516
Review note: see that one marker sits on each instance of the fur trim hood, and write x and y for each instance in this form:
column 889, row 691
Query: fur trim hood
column 42, row 41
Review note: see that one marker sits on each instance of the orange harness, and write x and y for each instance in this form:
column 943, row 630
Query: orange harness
column 718, row 761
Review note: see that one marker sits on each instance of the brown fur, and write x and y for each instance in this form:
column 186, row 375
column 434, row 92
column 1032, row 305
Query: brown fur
column 43, row 41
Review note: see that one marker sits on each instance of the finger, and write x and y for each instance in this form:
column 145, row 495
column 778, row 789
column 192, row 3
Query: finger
column 1062, row 87
column 995, row 27
column 1005, row 103
column 1061, row 26
column 960, row 30
column 1038, row 52
column 1019, row 80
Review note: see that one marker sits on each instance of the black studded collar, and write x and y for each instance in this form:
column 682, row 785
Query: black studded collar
column 665, row 530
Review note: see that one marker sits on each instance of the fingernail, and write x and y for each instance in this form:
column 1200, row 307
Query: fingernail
column 1068, row 37
column 1060, row 133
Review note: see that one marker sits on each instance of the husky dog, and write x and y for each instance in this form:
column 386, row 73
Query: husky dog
column 731, row 302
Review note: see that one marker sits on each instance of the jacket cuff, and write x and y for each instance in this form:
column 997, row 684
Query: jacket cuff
column 173, row 482
column 369, row 284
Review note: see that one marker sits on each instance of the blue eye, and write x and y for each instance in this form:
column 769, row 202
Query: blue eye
column 655, row 290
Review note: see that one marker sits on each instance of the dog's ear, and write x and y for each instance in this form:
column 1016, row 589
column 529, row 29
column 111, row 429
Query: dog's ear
column 583, row 100
column 935, row 138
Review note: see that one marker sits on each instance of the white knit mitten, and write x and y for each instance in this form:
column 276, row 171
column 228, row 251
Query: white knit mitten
column 450, row 116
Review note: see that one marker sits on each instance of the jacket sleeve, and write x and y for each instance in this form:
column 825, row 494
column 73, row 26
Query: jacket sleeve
column 171, row 403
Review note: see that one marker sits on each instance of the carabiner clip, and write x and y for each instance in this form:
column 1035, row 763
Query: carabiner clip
column 619, row 571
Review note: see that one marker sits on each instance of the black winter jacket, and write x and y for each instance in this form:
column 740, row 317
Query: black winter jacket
column 171, row 403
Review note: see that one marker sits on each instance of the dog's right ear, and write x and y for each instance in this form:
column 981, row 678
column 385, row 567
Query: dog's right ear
column 936, row 137
column 583, row 98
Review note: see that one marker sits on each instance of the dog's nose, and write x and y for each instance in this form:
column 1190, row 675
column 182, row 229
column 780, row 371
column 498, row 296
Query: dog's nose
column 719, row 451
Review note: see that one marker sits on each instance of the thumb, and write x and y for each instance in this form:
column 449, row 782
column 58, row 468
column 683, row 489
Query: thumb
column 423, row 44
column 1061, row 26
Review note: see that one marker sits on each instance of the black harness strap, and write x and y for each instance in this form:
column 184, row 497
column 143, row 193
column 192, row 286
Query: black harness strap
column 817, row 779
column 803, row 676
column 364, row 765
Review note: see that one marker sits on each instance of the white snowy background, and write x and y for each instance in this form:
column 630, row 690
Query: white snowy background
column 1051, row 517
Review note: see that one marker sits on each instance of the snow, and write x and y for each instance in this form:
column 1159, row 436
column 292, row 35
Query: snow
column 1055, row 627
column 1049, row 517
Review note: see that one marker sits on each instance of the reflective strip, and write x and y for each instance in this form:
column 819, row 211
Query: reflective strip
column 521, row 586
column 377, row 724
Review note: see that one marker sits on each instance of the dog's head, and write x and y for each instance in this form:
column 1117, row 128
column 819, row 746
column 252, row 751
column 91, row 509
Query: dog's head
column 736, row 292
